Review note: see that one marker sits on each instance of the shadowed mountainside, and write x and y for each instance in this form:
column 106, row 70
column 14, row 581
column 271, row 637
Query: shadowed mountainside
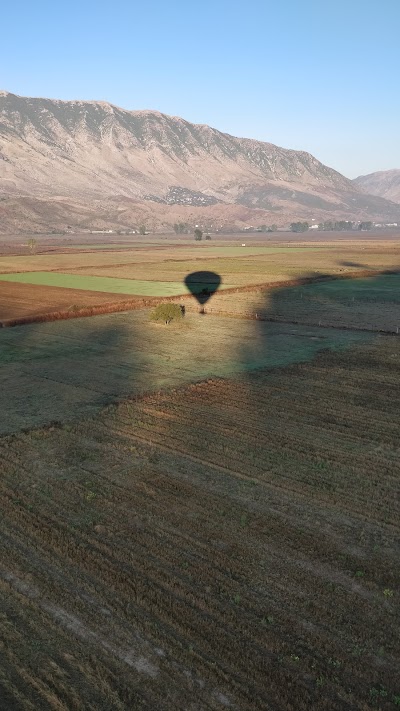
column 92, row 164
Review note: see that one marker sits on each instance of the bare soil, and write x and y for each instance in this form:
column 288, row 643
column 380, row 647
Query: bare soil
column 29, row 300
column 228, row 544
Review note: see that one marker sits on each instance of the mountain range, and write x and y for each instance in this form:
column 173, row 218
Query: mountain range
column 384, row 183
column 90, row 164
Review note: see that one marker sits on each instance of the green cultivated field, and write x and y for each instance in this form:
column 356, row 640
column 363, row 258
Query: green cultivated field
column 134, row 287
column 384, row 288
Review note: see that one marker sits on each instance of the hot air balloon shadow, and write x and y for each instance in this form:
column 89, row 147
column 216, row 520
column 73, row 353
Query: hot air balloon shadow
column 202, row 285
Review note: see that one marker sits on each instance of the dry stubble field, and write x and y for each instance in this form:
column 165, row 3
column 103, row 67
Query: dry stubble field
column 64, row 370
column 371, row 303
column 230, row 544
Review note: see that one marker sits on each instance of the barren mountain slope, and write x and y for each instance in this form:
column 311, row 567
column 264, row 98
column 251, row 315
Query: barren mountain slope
column 384, row 183
column 91, row 163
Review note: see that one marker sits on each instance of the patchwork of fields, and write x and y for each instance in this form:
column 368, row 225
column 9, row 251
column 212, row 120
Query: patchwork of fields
column 203, row 515
column 159, row 271
column 229, row 544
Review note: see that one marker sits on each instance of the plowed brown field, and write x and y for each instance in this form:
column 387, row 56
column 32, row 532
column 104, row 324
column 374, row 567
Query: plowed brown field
column 230, row 544
column 27, row 300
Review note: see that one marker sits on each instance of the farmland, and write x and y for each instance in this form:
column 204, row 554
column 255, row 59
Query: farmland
column 67, row 369
column 108, row 285
column 147, row 270
column 19, row 300
column 371, row 303
column 232, row 543
column 202, row 515
column 280, row 260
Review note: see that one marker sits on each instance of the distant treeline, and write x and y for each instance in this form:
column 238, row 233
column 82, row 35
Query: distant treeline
column 344, row 225
column 330, row 226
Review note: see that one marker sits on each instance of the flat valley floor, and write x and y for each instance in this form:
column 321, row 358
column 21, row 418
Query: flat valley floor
column 204, row 515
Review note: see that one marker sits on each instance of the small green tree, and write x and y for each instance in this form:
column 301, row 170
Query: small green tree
column 142, row 229
column 208, row 237
column 167, row 313
column 32, row 244
column 198, row 235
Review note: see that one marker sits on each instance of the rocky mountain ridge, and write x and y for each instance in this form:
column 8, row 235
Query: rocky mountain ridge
column 383, row 183
column 91, row 164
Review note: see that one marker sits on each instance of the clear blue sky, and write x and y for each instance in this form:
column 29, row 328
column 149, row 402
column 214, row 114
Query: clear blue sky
column 317, row 75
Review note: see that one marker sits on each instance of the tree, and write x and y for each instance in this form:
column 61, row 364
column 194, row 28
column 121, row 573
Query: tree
column 365, row 226
column 167, row 313
column 32, row 244
column 208, row 237
column 343, row 225
column 142, row 229
column 181, row 228
column 198, row 235
column 299, row 226
column 273, row 228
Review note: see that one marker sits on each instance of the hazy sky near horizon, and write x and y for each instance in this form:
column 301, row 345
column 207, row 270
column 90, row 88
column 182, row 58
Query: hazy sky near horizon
column 314, row 75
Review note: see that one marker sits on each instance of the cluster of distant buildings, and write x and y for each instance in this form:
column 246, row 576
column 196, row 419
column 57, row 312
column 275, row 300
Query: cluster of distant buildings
column 111, row 232
column 387, row 224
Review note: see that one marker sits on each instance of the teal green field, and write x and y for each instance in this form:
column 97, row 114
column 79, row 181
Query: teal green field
column 133, row 287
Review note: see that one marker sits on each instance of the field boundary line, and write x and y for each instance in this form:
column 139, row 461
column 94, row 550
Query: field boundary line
column 145, row 302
